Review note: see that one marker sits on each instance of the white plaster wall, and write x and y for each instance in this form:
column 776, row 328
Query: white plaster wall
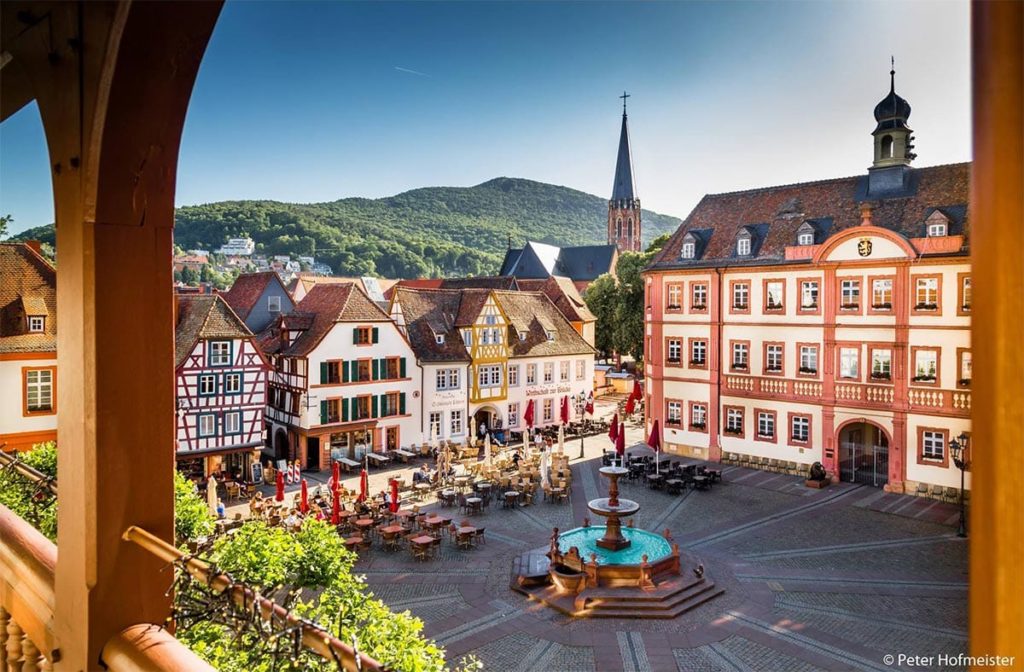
column 11, row 419
column 444, row 401
column 782, row 449
column 539, row 391
column 948, row 476
column 881, row 248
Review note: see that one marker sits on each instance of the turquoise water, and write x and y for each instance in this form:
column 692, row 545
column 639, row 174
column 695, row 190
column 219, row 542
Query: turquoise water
column 643, row 542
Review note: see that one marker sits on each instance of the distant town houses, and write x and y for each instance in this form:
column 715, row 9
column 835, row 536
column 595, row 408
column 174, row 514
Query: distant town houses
column 28, row 347
column 242, row 247
column 221, row 383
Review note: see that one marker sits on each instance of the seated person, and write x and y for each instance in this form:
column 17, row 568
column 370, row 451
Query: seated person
column 292, row 520
column 421, row 475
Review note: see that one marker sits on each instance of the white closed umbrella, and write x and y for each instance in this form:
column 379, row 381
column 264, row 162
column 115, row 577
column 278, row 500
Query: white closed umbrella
column 561, row 439
column 526, row 443
column 211, row 494
column 487, row 449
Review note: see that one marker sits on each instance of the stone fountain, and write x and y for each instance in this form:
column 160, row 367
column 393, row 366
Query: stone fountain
column 613, row 509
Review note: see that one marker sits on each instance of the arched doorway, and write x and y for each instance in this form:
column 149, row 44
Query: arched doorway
column 281, row 451
column 489, row 417
column 864, row 454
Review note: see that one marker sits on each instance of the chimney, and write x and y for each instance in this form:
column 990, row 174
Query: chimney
column 35, row 246
column 865, row 214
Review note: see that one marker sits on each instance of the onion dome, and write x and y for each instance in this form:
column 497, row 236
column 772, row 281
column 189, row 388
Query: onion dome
column 893, row 111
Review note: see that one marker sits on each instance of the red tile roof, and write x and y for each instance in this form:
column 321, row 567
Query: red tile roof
column 28, row 286
column 204, row 316
column 429, row 313
column 563, row 293
column 247, row 290
column 773, row 215
column 316, row 314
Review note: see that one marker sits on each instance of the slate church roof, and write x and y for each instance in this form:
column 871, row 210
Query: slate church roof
column 538, row 261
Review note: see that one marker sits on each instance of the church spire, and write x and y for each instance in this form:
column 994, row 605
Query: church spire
column 624, row 206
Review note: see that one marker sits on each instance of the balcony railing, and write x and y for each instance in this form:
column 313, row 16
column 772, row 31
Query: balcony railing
column 28, row 561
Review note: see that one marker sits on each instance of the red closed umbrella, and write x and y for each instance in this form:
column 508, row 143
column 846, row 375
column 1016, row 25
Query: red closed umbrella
column 637, row 392
column 394, row 496
column 613, row 431
column 304, row 501
column 336, row 509
column 280, row 486
column 528, row 415
column 654, row 440
column 565, row 410
column 620, row 440
column 336, row 477
column 589, row 410
column 364, row 486
column 630, row 405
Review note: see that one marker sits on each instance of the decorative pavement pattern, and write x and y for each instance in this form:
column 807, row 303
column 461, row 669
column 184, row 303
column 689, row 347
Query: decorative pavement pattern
column 830, row 579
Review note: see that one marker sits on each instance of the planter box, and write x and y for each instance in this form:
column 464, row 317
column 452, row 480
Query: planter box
column 817, row 485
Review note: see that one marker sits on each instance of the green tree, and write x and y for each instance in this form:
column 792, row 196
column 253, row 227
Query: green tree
column 658, row 243
column 192, row 517
column 5, row 220
column 17, row 493
column 629, row 309
column 602, row 297
column 189, row 276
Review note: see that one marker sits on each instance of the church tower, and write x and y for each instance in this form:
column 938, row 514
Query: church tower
column 624, row 206
column 893, row 139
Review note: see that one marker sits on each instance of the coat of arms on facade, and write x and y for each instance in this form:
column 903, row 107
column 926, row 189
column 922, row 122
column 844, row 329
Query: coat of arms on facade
column 864, row 247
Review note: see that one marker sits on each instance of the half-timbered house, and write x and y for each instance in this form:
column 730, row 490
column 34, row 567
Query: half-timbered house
column 221, row 388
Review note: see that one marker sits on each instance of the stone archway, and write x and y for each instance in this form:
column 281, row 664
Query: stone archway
column 863, row 452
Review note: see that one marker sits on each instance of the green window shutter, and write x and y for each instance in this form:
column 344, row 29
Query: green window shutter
column 401, row 402
column 376, row 370
column 401, row 367
column 375, row 409
column 354, row 374
column 323, row 372
column 343, row 365
column 323, row 412
column 355, row 334
column 344, row 409
column 376, row 335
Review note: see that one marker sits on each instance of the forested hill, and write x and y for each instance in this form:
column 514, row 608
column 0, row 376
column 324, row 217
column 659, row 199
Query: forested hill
column 435, row 231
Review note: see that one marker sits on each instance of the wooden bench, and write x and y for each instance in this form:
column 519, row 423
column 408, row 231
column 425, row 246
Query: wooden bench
column 404, row 455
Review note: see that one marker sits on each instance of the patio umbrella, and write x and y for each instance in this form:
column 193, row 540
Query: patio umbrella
column 637, row 392
column 620, row 442
column 654, row 441
column 613, row 431
column 630, row 405
column 487, row 449
column 364, row 486
column 528, row 415
column 335, row 476
column 394, row 496
column 544, row 469
column 565, row 410
column 561, row 439
column 335, row 508
column 211, row 494
column 279, row 496
column 304, row 501
column 526, row 443
column 589, row 408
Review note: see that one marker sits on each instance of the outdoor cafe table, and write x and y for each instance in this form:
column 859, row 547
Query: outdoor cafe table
column 353, row 542
column 378, row 459
column 404, row 454
column 701, row 482
column 364, row 523
column 512, row 498
column 655, row 480
column 474, row 503
column 467, row 529
column 422, row 489
column 461, row 482
column 422, row 540
column 674, row 485
column 392, row 529
column 405, row 513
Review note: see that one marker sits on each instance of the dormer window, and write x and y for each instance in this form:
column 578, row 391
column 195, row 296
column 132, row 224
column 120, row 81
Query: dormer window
column 689, row 250
column 274, row 304
column 805, row 239
column 550, row 333
column 439, row 339
column 522, row 335
column 743, row 247
column 36, row 324
column 937, row 230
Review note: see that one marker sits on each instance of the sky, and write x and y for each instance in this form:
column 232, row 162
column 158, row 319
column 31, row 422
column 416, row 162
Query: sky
column 312, row 102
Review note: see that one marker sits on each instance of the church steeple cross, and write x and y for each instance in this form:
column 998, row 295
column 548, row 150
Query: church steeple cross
column 624, row 96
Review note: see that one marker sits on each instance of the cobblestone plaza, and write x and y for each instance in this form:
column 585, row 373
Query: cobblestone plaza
column 831, row 579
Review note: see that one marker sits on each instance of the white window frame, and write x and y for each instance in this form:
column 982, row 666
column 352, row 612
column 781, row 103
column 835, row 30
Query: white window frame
column 274, row 304
column 674, row 296
column 581, row 369
column 41, row 388
column 232, row 422
column 549, row 372
column 881, row 363
column 965, row 293
column 228, row 388
column 926, row 292
column 805, row 238
column 513, row 375
column 773, row 357
column 434, row 424
column 489, row 376
column 744, row 361
column 211, row 430
column 455, row 424
column 201, row 384
column 849, row 294
column 849, row 363
column 881, row 292
column 699, row 352
column 937, row 230
column 689, row 250
column 513, row 414
column 809, row 358
column 549, row 410
column 36, row 324
column 675, row 412
column 743, row 247
column 216, row 357
column 675, row 349
column 965, row 366
column 531, row 374
column 699, row 416
column 765, row 425
column 809, row 294
column 933, row 445
column 926, row 363
column 700, row 296
column 563, row 371
column 777, row 287
column 800, row 429
column 734, row 420
column 741, row 289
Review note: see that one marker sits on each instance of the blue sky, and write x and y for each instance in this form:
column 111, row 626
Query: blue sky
column 313, row 102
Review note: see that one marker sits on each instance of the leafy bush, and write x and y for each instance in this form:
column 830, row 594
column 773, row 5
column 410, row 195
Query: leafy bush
column 192, row 517
column 16, row 491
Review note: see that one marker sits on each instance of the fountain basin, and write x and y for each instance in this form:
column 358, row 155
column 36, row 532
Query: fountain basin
column 603, row 507
column 642, row 542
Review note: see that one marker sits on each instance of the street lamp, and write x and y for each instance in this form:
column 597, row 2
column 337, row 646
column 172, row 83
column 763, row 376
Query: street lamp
column 958, row 448
column 579, row 401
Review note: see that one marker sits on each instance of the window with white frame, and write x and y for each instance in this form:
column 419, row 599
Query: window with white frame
column 675, row 350
column 675, row 412
column 38, row 390
column 698, row 352
column 809, row 294
column 513, row 375
column 439, row 339
column 448, row 379
column 927, row 294
column 581, row 369
column 773, row 358
column 207, row 425
column 849, row 294
column 455, row 423
column 805, row 238
column 489, row 375
column 232, row 383
column 766, row 425
column 743, row 247
column 274, row 304
column 881, row 363
column 700, row 296
column 849, row 362
column 207, row 384
column 740, row 355
column 434, row 425
column 740, row 296
column 549, row 412
column 689, row 250
column 674, row 296
column 467, row 337
column 233, row 422
column 513, row 415
column 549, row 372
column 734, row 421
column 965, row 293
column 801, row 429
column 808, row 359
column 774, row 291
column 965, row 367
column 881, row 293
column 937, row 229
column 36, row 324
column 563, row 371
column 531, row 374
column 698, row 416
column 220, row 353
column 933, row 445
column 925, row 366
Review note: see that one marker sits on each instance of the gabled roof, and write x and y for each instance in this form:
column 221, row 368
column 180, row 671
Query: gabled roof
column 623, row 187
column 316, row 314
column 540, row 260
column 247, row 290
column 534, row 314
column 563, row 293
column 831, row 205
column 28, row 286
column 429, row 313
column 481, row 282
column 201, row 317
